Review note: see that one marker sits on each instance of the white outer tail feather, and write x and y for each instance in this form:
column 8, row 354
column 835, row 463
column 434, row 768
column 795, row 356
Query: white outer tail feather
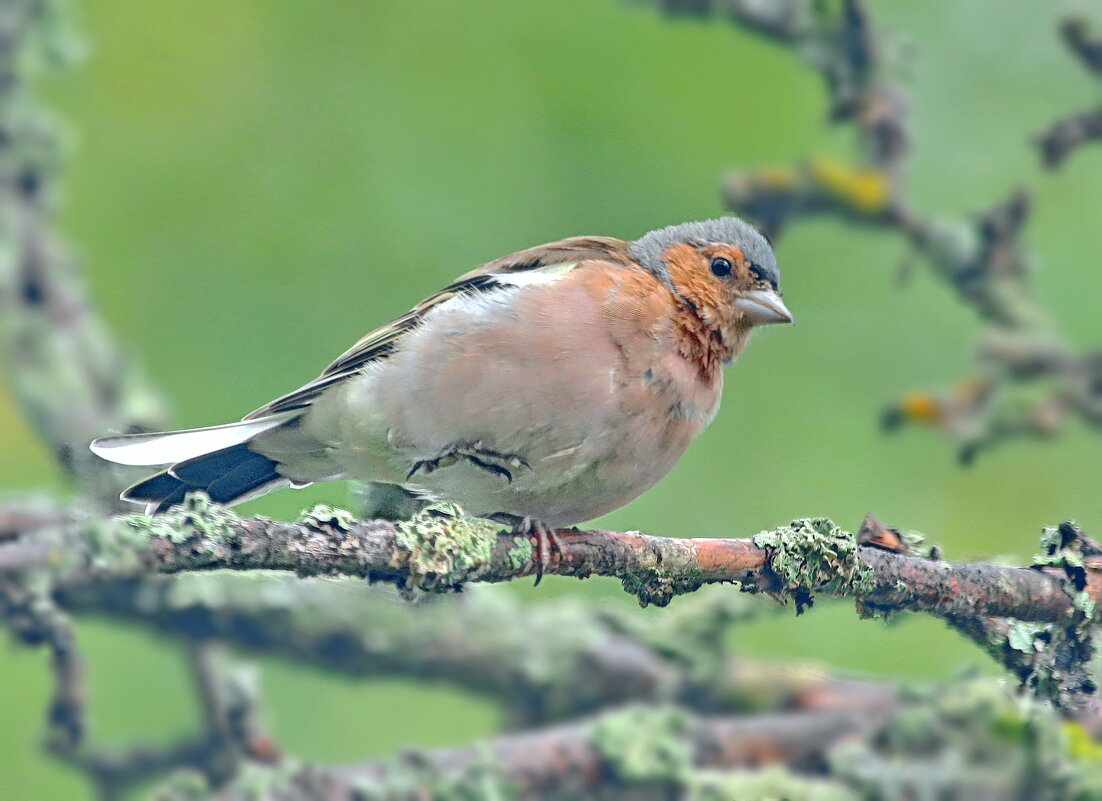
column 170, row 447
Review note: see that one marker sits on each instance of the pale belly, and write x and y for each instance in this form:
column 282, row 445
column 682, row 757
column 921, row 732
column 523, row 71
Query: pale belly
column 561, row 488
column 548, row 422
column 561, row 463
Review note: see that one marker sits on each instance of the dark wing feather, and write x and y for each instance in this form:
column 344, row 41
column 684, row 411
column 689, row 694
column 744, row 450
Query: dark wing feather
column 381, row 342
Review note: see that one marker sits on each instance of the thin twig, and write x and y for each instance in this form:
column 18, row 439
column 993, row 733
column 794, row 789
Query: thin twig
column 1069, row 133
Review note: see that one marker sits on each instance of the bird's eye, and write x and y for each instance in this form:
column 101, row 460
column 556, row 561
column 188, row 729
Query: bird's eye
column 721, row 267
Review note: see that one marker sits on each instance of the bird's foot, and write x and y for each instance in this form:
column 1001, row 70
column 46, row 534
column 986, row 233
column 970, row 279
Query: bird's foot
column 542, row 536
column 496, row 462
column 546, row 538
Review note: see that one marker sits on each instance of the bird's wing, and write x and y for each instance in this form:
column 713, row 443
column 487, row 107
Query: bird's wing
column 535, row 265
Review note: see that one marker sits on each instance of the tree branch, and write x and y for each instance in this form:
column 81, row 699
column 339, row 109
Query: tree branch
column 440, row 552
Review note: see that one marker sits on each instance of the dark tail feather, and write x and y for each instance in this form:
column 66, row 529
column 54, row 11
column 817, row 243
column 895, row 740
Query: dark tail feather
column 248, row 476
column 231, row 475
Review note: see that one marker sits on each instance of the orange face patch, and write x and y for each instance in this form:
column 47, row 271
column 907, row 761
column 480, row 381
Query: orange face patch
column 711, row 331
column 691, row 270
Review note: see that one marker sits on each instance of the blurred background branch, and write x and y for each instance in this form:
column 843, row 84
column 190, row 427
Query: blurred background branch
column 1066, row 135
column 72, row 379
column 975, row 742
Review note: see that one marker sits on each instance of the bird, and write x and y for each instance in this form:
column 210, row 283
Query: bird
column 545, row 388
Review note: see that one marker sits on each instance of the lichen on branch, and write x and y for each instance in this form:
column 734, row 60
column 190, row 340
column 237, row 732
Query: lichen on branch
column 440, row 550
column 813, row 555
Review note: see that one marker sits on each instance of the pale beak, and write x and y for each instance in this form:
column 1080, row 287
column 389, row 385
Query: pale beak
column 764, row 306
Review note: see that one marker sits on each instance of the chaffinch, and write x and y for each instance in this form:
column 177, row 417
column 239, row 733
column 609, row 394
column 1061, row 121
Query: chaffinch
column 554, row 384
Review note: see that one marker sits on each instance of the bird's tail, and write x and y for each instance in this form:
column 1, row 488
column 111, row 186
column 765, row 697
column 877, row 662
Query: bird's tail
column 217, row 460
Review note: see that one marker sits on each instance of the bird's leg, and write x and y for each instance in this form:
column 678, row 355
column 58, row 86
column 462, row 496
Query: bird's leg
column 546, row 537
column 430, row 465
column 481, row 457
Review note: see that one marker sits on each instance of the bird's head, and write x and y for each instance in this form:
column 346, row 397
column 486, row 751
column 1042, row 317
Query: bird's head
column 723, row 270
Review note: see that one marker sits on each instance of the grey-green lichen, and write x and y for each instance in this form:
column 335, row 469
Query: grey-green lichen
column 771, row 784
column 250, row 782
column 814, row 555
column 324, row 516
column 652, row 746
column 658, row 589
column 443, row 549
column 1059, row 654
column 110, row 545
column 645, row 744
column 1065, row 547
column 521, row 553
column 414, row 777
column 660, row 573
column 196, row 516
column 120, row 545
column 184, row 785
column 1023, row 636
column 972, row 738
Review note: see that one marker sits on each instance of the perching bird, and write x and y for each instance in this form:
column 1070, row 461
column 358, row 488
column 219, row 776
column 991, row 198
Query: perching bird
column 551, row 385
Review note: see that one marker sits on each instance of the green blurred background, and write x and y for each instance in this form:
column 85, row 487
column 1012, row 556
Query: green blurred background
column 256, row 184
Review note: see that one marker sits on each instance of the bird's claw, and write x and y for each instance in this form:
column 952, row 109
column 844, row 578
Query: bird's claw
column 546, row 538
column 481, row 457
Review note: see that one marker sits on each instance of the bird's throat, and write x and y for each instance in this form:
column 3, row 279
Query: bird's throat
column 707, row 339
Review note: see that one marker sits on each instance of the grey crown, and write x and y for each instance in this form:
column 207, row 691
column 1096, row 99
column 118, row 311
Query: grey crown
column 648, row 249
